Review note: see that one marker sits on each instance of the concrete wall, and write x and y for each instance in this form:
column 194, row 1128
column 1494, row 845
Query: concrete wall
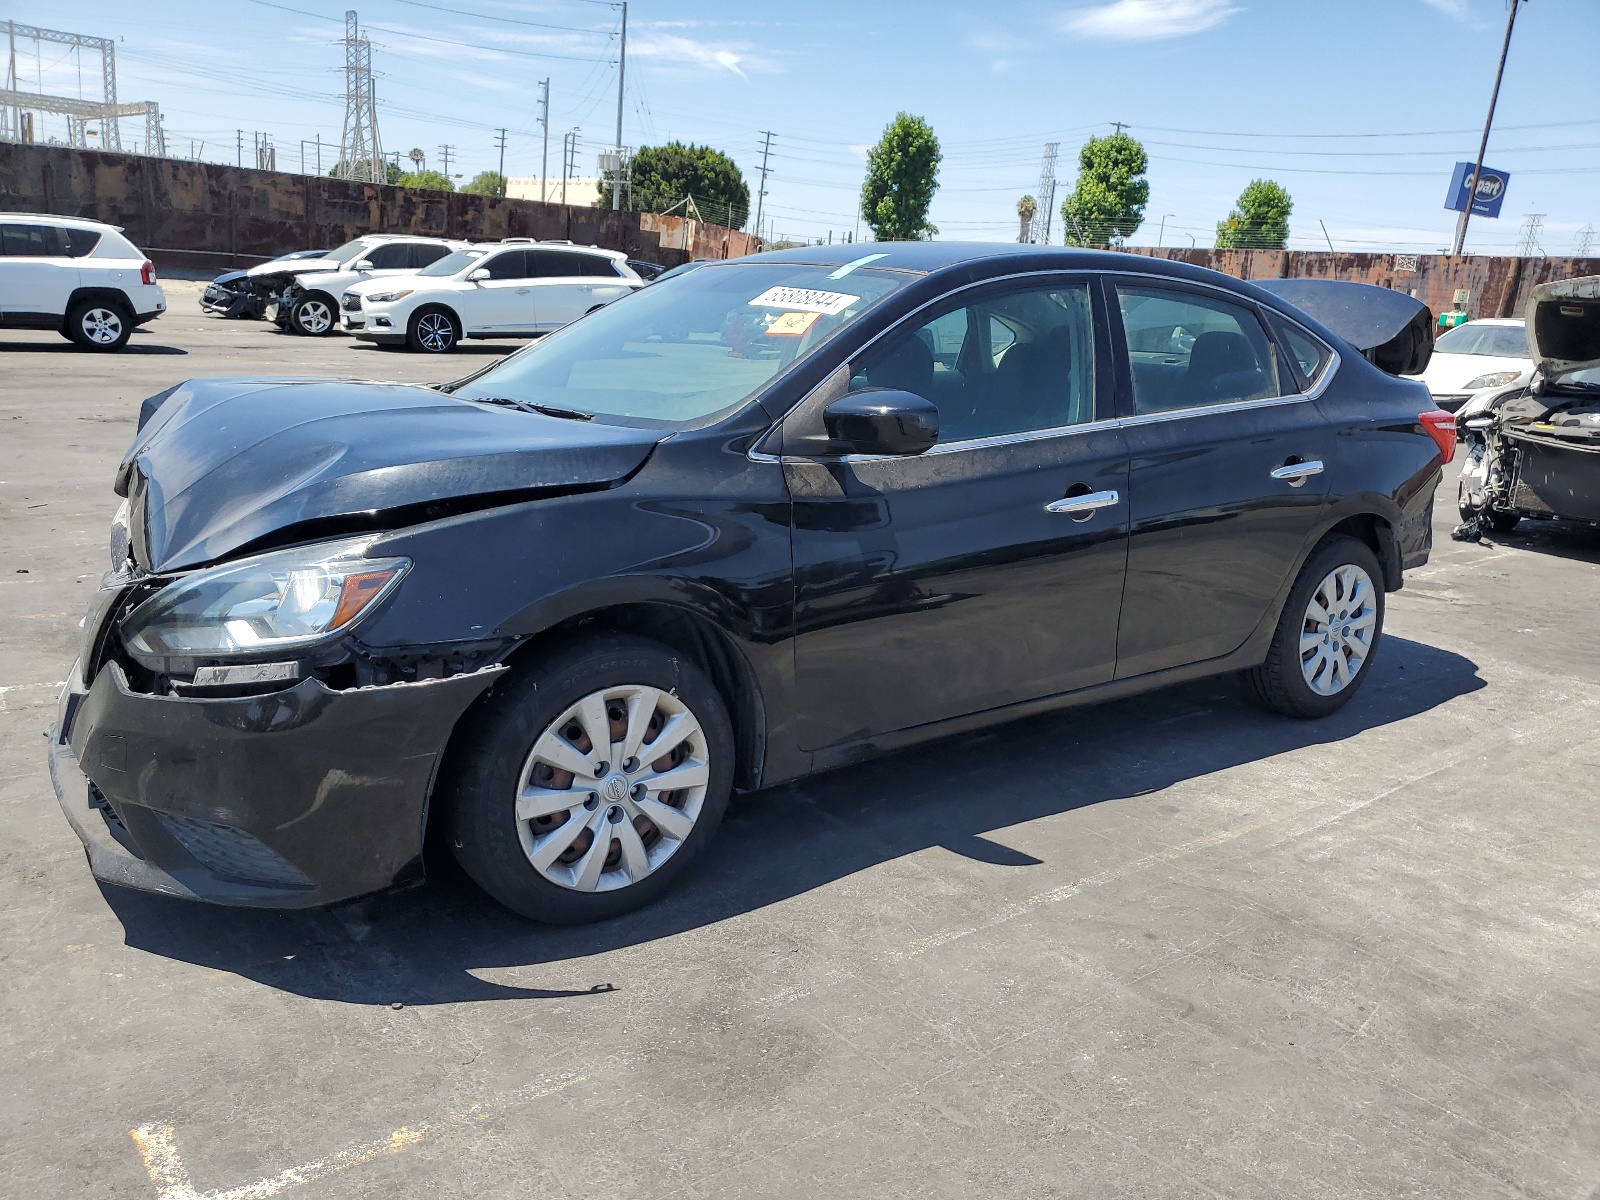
column 208, row 217
column 1499, row 286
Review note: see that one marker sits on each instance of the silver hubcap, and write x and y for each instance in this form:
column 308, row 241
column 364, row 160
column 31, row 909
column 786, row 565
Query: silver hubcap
column 1336, row 638
column 435, row 332
column 612, row 788
column 315, row 317
column 102, row 326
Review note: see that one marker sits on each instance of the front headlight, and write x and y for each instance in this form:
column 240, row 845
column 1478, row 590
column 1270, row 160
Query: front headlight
column 1492, row 379
column 263, row 604
column 388, row 297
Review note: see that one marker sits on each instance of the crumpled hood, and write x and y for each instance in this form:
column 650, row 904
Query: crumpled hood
column 219, row 464
column 1564, row 326
column 295, row 266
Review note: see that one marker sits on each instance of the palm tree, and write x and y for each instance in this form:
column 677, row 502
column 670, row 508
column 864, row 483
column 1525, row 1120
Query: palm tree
column 419, row 160
column 1026, row 207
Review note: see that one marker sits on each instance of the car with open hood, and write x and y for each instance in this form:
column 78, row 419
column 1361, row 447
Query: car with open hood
column 303, row 297
column 1533, row 448
column 239, row 295
column 769, row 517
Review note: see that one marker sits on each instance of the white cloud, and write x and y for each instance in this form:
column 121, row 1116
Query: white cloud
column 1461, row 10
column 1139, row 20
column 672, row 49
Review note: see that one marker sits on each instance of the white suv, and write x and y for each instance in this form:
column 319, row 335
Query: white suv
column 81, row 278
column 515, row 288
column 309, row 303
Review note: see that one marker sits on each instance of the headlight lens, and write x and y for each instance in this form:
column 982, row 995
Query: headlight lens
column 1492, row 379
column 274, row 601
column 121, row 542
column 388, row 297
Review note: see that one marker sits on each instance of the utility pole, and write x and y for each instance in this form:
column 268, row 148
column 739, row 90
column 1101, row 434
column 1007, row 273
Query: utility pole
column 622, row 70
column 502, row 162
column 1477, row 167
column 319, row 154
column 569, row 156
column 766, row 150
column 445, row 153
column 544, row 122
column 240, row 148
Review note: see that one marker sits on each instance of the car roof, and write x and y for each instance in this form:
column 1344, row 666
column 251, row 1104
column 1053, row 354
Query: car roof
column 33, row 218
column 532, row 244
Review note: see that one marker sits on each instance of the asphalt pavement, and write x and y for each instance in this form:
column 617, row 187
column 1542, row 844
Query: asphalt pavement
column 1168, row 947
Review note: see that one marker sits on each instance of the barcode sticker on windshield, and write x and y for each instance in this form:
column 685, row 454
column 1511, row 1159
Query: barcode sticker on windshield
column 805, row 300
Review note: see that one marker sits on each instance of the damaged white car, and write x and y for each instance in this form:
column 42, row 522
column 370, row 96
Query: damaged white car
column 1534, row 450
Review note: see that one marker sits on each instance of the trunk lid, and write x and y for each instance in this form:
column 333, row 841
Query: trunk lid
column 1393, row 330
column 222, row 464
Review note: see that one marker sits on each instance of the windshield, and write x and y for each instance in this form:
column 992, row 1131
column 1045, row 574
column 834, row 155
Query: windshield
column 451, row 263
column 684, row 348
column 1498, row 341
column 348, row 251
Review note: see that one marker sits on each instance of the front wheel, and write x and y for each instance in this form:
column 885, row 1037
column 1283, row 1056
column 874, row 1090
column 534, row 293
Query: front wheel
column 313, row 316
column 99, row 325
column 590, row 780
column 1330, row 628
column 433, row 331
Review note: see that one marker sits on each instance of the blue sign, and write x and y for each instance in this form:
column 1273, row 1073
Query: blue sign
column 1491, row 190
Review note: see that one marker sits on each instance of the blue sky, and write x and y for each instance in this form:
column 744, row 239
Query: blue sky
column 1359, row 107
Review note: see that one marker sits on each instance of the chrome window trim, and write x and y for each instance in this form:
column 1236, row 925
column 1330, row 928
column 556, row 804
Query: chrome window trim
column 1324, row 380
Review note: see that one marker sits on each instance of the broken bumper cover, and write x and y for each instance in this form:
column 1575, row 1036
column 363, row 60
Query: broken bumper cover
column 294, row 799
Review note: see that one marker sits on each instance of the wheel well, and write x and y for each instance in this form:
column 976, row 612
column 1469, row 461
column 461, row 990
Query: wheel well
column 1378, row 536
column 702, row 643
column 444, row 308
column 98, row 295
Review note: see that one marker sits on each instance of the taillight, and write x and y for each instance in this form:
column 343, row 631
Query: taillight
column 147, row 273
column 1441, row 426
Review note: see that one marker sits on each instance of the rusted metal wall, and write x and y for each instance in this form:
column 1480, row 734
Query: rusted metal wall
column 186, row 214
column 698, row 239
column 1498, row 286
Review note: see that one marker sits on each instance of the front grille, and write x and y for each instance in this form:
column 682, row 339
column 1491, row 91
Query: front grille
column 350, row 302
column 232, row 853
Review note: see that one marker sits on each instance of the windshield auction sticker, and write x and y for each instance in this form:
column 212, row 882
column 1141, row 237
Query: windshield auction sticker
column 805, row 300
column 792, row 324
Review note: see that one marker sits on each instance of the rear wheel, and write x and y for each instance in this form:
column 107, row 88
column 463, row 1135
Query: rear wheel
column 1330, row 628
column 313, row 315
column 99, row 325
column 432, row 331
column 593, row 778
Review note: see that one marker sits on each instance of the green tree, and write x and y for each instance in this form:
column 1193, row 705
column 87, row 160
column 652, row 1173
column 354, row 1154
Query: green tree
column 486, row 183
column 665, row 176
column 426, row 181
column 902, row 175
column 343, row 170
column 1107, row 204
column 1026, row 208
column 1261, row 222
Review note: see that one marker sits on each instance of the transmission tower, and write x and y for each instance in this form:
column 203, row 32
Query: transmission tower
column 1585, row 242
column 1039, row 231
column 1529, row 243
column 360, row 152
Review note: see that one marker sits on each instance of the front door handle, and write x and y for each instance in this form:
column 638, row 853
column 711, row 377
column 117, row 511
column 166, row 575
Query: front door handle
column 1082, row 507
column 1296, row 474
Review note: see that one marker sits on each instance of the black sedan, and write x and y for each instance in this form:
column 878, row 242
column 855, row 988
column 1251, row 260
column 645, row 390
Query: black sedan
column 765, row 518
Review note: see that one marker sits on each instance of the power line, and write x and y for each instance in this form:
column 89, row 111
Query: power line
column 461, row 12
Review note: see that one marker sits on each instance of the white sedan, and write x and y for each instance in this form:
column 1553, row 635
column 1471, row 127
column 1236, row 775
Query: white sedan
column 1480, row 354
column 503, row 289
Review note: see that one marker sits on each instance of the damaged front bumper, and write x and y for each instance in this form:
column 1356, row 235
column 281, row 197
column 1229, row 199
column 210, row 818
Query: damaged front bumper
column 292, row 799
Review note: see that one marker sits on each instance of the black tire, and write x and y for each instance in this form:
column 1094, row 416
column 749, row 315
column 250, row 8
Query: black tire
column 1499, row 522
column 481, row 777
column 314, row 315
column 1279, row 683
column 102, row 325
column 433, row 330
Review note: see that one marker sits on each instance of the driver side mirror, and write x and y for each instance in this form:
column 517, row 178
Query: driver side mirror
column 881, row 421
column 480, row 274
column 364, row 264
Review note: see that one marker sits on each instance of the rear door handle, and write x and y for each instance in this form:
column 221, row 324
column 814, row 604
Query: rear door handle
column 1082, row 506
column 1295, row 474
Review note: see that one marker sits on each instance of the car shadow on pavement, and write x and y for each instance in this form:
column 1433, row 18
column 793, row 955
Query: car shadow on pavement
column 66, row 347
column 1577, row 540
column 422, row 946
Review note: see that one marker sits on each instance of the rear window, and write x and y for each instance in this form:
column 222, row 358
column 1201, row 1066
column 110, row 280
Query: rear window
column 1496, row 341
column 76, row 243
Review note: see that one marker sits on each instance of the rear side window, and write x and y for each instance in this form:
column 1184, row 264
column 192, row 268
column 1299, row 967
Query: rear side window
column 595, row 265
column 76, row 243
column 389, row 257
column 553, row 264
column 1192, row 350
column 1307, row 355
column 29, row 241
column 424, row 255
